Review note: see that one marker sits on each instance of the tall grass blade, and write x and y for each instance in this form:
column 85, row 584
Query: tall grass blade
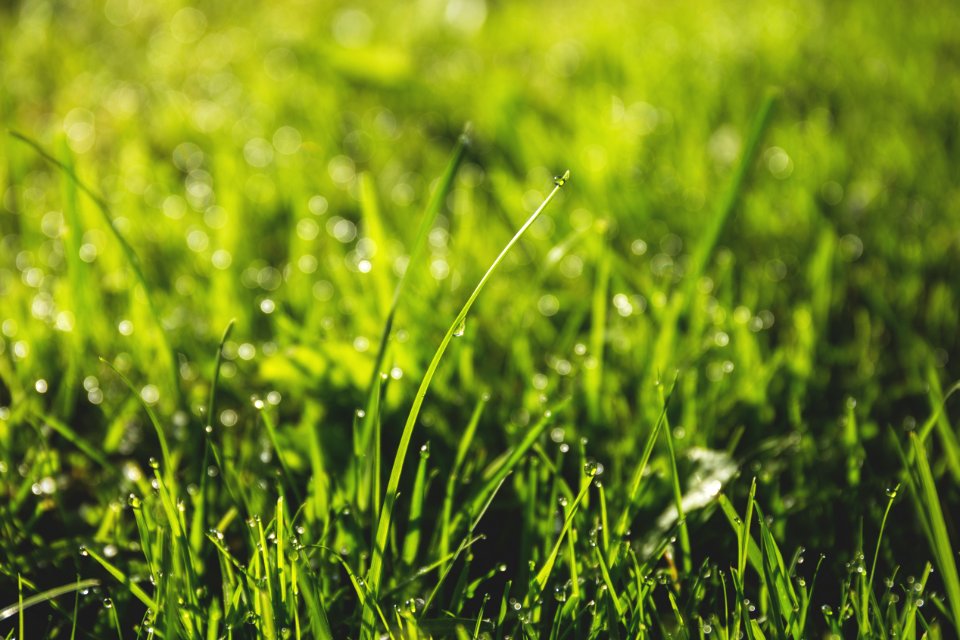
column 393, row 483
column 200, row 513
column 544, row 573
column 624, row 522
column 123, row 579
column 943, row 550
column 444, row 532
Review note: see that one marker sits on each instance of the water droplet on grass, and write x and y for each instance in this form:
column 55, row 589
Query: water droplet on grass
column 461, row 328
column 150, row 394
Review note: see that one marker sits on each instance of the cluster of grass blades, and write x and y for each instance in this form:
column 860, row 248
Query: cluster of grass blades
column 208, row 550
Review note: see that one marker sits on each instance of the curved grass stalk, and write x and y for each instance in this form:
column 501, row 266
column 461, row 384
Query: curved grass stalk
column 386, row 513
column 46, row 596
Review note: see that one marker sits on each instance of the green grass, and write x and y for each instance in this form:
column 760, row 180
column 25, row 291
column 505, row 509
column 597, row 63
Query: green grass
column 305, row 333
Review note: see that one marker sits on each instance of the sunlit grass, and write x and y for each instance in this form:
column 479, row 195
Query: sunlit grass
column 287, row 352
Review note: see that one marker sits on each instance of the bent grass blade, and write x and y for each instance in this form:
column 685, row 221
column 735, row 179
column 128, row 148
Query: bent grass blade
column 383, row 527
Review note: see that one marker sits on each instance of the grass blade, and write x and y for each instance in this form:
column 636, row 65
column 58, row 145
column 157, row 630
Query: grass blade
column 122, row 578
column 544, row 574
column 462, row 448
column 943, row 550
column 393, row 483
column 637, row 480
column 516, row 454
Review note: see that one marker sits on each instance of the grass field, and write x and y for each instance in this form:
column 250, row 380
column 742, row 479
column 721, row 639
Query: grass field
column 305, row 331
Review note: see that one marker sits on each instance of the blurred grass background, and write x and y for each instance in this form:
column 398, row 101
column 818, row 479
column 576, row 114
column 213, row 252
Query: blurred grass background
column 237, row 146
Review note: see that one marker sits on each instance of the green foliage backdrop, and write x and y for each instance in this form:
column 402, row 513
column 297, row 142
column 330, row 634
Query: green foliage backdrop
column 171, row 167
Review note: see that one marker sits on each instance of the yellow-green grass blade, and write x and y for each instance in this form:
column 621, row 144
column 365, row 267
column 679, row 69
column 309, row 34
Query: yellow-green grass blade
column 374, row 230
column 625, row 516
column 544, row 573
column 122, row 578
column 678, row 497
column 46, row 596
column 411, row 540
column 495, row 474
column 393, row 483
column 943, row 550
column 593, row 377
column 865, row 604
column 468, row 540
column 197, row 526
column 453, row 476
